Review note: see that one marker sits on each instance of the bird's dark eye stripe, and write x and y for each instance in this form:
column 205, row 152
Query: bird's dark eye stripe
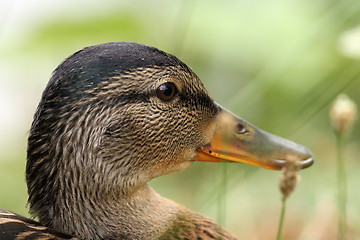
column 199, row 101
column 134, row 97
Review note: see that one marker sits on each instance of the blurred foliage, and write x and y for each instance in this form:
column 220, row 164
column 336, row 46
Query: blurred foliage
column 278, row 64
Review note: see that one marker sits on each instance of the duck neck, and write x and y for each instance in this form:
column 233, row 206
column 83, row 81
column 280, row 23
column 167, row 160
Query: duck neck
column 144, row 214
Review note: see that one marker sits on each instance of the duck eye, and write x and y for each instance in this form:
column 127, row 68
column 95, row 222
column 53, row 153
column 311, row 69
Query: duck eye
column 166, row 91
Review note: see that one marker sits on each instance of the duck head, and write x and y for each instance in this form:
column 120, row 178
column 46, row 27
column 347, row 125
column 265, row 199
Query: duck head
column 116, row 115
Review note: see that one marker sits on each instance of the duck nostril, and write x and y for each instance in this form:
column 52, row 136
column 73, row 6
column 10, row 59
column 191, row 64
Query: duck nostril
column 240, row 128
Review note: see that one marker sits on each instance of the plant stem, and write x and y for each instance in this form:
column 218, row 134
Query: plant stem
column 342, row 187
column 221, row 215
column 282, row 219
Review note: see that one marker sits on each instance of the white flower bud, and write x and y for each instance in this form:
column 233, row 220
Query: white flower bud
column 342, row 113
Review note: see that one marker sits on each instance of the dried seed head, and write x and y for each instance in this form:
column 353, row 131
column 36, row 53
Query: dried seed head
column 343, row 113
column 289, row 178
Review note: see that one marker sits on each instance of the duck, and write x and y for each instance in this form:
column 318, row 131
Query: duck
column 113, row 117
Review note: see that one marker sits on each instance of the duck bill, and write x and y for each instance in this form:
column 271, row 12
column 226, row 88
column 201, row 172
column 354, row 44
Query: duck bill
column 236, row 140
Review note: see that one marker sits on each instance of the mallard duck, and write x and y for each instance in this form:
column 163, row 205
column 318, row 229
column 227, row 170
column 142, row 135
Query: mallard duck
column 113, row 117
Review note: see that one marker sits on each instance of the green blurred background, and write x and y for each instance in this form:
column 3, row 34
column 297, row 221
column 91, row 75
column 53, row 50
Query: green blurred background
column 277, row 63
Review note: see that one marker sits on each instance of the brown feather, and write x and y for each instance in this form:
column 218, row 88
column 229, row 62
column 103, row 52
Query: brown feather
column 192, row 226
column 13, row 226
